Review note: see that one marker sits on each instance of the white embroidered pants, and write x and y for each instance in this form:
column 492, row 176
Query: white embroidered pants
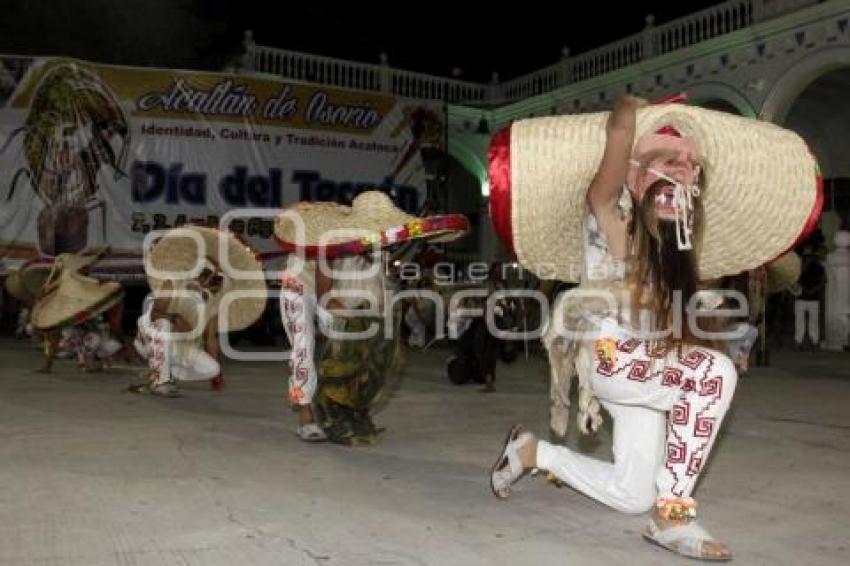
column 298, row 312
column 666, row 409
column 167, row 361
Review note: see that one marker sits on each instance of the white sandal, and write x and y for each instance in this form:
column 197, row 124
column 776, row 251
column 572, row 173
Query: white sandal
column 508, row 468
column 686, row 540
column 311, row 432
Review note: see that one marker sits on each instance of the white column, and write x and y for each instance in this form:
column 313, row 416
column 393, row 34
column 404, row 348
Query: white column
column 838, row 292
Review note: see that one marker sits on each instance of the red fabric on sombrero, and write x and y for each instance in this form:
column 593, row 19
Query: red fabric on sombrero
column 668, row 131
column 499, row 169
column 396, row 235
column 814, row 215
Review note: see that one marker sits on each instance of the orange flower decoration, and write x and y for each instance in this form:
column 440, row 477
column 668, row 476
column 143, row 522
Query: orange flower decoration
column 415, row 228
column 296, row 396
column 606, row 351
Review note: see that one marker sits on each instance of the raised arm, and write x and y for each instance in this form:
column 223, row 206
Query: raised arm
column 605, row 188
column 607, row 185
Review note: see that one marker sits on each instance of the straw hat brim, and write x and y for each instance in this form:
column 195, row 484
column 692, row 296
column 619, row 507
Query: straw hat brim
column 75, row 300
column 25, row 283
column 16, row 289
column 761, row 190
column 177, row 252
column 783, row 272
column 371, row 222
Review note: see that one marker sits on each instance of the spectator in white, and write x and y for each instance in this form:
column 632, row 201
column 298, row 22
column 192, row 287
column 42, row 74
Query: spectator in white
column 809, row 294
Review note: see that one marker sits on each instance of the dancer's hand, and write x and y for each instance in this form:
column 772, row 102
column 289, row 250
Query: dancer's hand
column 624, row 114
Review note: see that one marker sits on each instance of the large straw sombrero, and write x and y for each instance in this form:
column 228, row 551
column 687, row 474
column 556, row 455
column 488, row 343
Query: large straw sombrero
column 371, row 222
column 73, row 298
column 177, row 252
column 783, row 272
column 761, row 192
column 25, row 284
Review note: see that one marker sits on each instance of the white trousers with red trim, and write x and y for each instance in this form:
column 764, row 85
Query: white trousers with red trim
column 667, row 409
column 167, row 361
column 299, row 314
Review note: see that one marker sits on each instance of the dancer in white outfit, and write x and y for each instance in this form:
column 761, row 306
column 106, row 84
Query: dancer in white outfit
column 342, row 237
column 299, row 310
column 664, row 385
column 170, row 360
column 178, row 330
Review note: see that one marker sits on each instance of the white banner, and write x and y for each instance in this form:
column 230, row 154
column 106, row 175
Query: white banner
column 95, row 155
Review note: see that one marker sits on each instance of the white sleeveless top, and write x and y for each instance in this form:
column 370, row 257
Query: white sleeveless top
column 599, row 265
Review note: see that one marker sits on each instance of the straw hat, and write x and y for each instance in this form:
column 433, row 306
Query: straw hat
column 73, row 298
column 25, row 283
column 761, row 191
column 371, row 222
column 783, row 272
column 177, row 252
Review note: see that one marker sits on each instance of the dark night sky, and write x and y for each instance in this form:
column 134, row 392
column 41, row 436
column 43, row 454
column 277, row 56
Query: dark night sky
column 433, row 37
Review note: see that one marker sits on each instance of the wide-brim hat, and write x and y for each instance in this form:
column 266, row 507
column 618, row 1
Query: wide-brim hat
column 16, row 289
column 783, row 272
column 74, row 298
column 371, row 222
column 25, row 284
column 178, row 252
column 761, row 191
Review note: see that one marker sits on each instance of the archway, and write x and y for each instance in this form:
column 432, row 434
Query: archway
column 722, row 97
column 820, row 112
column 798, row 78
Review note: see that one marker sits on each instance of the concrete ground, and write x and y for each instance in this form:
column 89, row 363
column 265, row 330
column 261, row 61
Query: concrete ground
column 91, row 475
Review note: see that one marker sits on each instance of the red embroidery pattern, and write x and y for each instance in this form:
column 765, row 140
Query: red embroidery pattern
column 681, row 413
column 640, row 371
column 672, row 377
column 694, row 359
column 675, row 453
column 711, row 386
column 694, row 420
column 694, row 465
column 703, row 427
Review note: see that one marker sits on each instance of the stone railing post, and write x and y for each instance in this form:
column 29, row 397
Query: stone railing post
column 385, row 81
column 494, row 89
column 565, row 76
column 648, row 40
column 246, row 60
